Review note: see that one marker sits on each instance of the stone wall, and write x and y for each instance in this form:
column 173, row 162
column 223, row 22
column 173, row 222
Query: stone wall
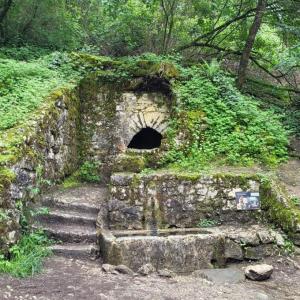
column 46, row 149
column 176, row 200
column 94, row 122
column 112, row 115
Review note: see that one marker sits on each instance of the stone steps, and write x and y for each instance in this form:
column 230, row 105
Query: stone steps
column 70, row 233
column 71, row 220
column 79, row 208
column 82, row 251
column 64, row 217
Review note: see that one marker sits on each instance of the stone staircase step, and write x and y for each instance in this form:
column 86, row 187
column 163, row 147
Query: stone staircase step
column 70, row 218
column 81, row 199
column 70, row 233
column 82, row 251
column 76, row 207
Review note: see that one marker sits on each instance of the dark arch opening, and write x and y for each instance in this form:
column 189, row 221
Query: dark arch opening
column 146, row 138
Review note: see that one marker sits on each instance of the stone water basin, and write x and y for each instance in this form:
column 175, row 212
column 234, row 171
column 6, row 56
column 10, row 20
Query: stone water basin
column 184, row 250
column 179, row 250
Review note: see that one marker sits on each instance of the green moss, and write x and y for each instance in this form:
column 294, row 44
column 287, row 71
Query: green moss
column 283, row 214
column 136, row 181
column 71, row 181
column 129, row 163
column 188, row 176
column 234, row 180
column 6, row 176
column 13, row 148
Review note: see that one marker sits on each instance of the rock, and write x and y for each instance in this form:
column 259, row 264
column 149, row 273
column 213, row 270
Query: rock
column 124, row 270
column 266, row 237
column 165, row 273
column 233, row 250
column 296, row 239
column 297, row 251
column 279, row 239
column 259, row 272
column 248, row 238
column 108, row 268
column 259, row 252
column 220, row 276
column 146, row 269
column 115, row 272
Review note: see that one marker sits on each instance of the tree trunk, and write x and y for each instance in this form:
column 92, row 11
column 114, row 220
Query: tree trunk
column 244, row 61
column 4, row 10
column 169, row 8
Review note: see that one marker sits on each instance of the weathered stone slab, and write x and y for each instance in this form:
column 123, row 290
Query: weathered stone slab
column 221, row 276
column 178, row 253
column 182, row 250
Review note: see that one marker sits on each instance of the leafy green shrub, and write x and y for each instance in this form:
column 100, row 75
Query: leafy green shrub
column 288, row 247
column 88, row 172
column 295, row 200
column 230, row 127
column 23, row 53
column 205, row 223
column 26, row 256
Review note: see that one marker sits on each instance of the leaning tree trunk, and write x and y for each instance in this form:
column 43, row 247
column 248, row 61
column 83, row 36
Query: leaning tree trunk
column 244, row 61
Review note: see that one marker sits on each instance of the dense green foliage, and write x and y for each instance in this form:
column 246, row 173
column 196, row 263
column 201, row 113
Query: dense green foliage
column 26, row 256
column 205, row 29
column 24, row 84
column 218, row 123
column 87, row 173
column 214, row 119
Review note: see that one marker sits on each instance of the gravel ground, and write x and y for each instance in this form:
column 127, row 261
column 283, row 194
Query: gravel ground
column 66, row 279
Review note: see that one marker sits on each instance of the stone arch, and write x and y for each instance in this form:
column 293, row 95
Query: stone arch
column 146, row 138
column 140, row 111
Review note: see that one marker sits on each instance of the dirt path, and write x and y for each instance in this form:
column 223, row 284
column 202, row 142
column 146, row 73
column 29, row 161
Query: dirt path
column 74, row 279
column 289, row 174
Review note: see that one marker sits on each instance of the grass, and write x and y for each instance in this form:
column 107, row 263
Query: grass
column 26, row 257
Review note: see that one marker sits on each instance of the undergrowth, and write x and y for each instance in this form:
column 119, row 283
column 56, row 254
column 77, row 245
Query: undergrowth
column 24, row 84
column 26, row 257
column 214, row 122
column 87, row 173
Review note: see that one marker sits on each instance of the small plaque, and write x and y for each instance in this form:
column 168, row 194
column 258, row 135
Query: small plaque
column 247, row 200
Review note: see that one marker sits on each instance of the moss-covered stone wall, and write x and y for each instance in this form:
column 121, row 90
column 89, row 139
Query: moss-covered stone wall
column 178, row 200
column 280, row 209
column 35, row 154
column 112, row 114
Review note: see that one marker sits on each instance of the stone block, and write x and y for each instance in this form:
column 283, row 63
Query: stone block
column 178, row 253
column 233, row 250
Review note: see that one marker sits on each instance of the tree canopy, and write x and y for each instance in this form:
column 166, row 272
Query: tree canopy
column 263, row 32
